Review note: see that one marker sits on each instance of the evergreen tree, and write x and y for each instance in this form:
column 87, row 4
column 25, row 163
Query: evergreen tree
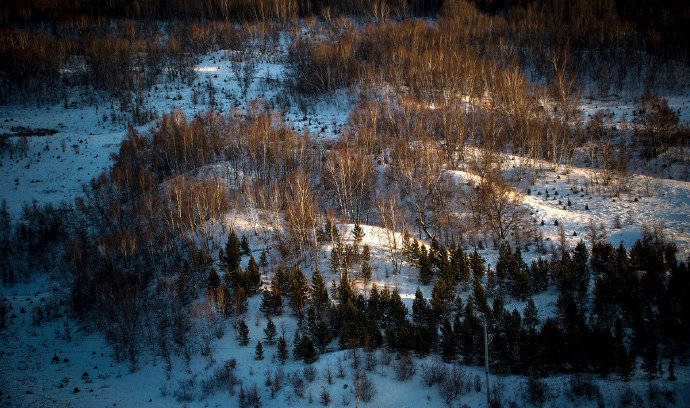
column 519, row 278
column 259, row 352
column 374, row 308
column 504, row 266
column 325, row 397
column 271, row 299
column 263, row 260
column 236, row 278
column 318, row 329
column 244, row 246
column 461, row 266
column 282, row 352
column 336, row 260
column 304, row 349
column 442, row 298
column 530, row 317
column 419, row 308
column 425, row 272
column 233, row 253
column 357, row 232
column 270, row 332
column 479, row 296
column 253, row 276
column 448, row 347
column 243, row 332
column 477, row 265
column 213, row 281
column 319, row 293
column 581, row 274
column 298, row 291
column 366, row 271
column 539, row 273
column 396, row 309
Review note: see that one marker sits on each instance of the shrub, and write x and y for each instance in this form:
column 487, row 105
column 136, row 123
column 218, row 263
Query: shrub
column 454, row 384
column 536, row 391
column 433, row 373
column 582, row 387
column 222, row 379
column 364, row 388
column 404, row 368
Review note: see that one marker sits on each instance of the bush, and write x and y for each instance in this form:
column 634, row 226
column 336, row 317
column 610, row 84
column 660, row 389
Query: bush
column 536, row 391
column 404, row 368
column 582, row 387
column 186, row 391
column 660, row 397
column 250, row 397
column 628, row 398
column 325, row 397
column 309, row 373
column 365, row 388
column 222, row 379
column 433, row 373
column 454, row 384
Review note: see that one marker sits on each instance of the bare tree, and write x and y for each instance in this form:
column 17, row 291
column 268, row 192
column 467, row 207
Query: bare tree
column 393, row 220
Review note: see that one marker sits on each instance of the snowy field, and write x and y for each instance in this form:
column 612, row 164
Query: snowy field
column 56, row 166
column 59, row 364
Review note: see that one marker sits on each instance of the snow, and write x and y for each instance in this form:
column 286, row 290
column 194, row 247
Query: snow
column 84, row 362
column 53, row 174
column 58, row 165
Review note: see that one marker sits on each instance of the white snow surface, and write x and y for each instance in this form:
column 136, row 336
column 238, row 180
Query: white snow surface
column 51, row 174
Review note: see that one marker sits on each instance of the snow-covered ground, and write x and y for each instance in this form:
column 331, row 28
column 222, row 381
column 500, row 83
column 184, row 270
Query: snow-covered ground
column 58, row 363
column 56, row 166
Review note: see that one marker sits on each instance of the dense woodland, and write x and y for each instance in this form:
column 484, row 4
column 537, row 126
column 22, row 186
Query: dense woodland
column 137, row 251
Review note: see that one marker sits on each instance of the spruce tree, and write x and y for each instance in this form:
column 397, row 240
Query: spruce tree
column 479, row 296
column 304, row 349
column 448, row 347
column 282, row 352
column 425, row 272
column 253, row 276
column 233, row 253
column 396, row 309
column 213, row 281
column 477, row 265
column 263, row 260
column 298, row 291
column 336, row 258
column 271, row 299
column 270, row 332
column 419, row 308
column 374, row 308
column 442, row 298
column 366, row 271
column 319, row 293
column 357, row 232
column 460, row 265
column 530, row 318
column 243, row 332
column 244, row 246
column 259, row 352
